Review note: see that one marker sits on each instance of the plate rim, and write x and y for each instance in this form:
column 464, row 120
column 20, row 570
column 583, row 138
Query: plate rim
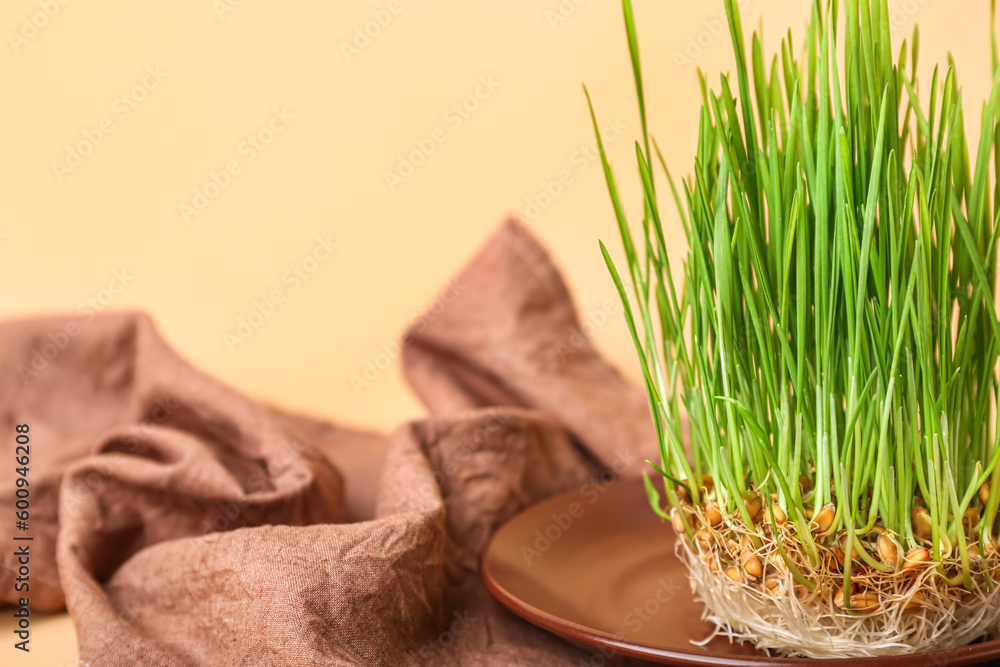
column 593, row 639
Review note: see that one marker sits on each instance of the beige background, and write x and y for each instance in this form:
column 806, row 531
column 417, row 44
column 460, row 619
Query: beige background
column 226, row 66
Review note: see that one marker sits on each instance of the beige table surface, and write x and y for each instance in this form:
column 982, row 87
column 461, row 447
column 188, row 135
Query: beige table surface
column 116, row 114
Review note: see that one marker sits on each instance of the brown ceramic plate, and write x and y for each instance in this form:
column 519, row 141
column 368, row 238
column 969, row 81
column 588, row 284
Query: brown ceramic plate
column 597, row 568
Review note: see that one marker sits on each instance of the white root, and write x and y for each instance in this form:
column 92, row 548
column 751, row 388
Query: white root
column 789, row 621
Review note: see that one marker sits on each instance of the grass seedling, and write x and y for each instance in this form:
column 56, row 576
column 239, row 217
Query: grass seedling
column 833, row 345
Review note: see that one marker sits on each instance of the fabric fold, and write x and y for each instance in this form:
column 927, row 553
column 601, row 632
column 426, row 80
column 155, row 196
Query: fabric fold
column 511, row 336
column 182, row 523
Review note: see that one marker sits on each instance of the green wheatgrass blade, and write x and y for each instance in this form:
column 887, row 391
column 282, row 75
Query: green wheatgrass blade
column 633, row 49
column 654, row 497
column 836, row 318
column 750, row 175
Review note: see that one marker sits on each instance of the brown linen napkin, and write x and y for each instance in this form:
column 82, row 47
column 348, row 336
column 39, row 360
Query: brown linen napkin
column 193, row 526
